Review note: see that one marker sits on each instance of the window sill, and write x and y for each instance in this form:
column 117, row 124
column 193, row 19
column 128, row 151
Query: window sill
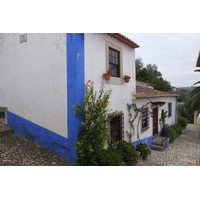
column 144, row 129
column 115, row 80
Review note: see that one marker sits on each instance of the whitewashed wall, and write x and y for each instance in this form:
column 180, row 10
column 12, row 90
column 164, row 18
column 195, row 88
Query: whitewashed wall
column 33, row 78
column 95, row 67
column 169, row 120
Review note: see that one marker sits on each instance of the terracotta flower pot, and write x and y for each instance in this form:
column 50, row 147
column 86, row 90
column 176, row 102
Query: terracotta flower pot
column 127, row 79
column 106, row 76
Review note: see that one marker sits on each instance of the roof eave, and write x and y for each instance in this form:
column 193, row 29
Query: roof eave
column 124, row 40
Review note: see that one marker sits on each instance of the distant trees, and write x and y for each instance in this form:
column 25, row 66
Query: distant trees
column 150, row 74
column 194, row 103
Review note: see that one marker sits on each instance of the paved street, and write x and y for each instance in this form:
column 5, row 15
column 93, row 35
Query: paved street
column 184, row 151
column 17, row 151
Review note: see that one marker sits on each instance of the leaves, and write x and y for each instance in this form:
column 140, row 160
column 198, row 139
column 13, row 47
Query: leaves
column 95, row 125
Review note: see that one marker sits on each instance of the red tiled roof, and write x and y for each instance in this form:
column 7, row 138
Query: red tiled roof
column 145, row 92
column 198, row 60
column 124, row 39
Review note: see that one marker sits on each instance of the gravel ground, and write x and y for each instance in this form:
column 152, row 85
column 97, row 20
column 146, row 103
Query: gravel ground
column 17, row 151
column 184, row 151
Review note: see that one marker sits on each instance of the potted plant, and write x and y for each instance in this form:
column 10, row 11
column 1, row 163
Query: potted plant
column 127, row 78
column 107, row 75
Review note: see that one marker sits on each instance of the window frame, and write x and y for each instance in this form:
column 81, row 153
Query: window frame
column 169, row 109
column 115, row 80
column 115, row 61
column 120, row 136
column 146, row 119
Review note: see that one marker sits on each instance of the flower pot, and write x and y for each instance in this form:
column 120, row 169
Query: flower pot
column 106, row 76
column 127, row 79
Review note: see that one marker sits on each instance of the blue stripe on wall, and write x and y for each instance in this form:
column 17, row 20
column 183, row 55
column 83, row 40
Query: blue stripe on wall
column 35, row 133
column 75, row 94
column 75, row 80
column 147, row 140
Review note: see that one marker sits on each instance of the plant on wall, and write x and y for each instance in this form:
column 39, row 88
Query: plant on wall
column 95, row 125
column 163, row 118
column 131, row 119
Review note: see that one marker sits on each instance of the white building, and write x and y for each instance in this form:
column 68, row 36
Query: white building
column 43, row 76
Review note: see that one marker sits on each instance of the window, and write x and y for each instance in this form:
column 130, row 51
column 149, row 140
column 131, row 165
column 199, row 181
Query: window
column 169, row 109
column 117, row 127
column 114, row 62
column 145, row 118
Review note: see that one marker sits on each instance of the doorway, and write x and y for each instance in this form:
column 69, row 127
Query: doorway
column 155, row 121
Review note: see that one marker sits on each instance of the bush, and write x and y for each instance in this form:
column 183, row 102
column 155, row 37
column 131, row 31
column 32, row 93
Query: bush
column 110, row 157
column 143, row 150
column 178, row 129
column 129, row 153
column 182, row 121
column 170, row 131
column 95, row 125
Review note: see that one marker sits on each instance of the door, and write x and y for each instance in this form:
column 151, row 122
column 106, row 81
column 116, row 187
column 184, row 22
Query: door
column 155, row 121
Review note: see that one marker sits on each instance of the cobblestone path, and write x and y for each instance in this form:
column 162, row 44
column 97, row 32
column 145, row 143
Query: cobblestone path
column 184, row 151
column 17, row 151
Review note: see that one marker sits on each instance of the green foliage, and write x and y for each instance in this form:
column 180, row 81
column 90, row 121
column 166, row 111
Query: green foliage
column 129, row 153
column 185, row 109
column 110, row 157
column 95, row 125
column 163, row 117
column 131, row 119
column 172, row 132
column 143, row 150
column 150, row 74
column 182, row 121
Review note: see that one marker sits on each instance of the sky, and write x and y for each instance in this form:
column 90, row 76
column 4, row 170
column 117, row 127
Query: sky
column 175, row 55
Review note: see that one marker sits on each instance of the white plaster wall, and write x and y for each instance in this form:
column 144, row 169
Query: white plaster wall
column 169, row 120
column 33, row 78
column 95, row 67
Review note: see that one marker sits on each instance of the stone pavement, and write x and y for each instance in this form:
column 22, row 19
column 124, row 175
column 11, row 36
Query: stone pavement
column 17, row 151
column 184, row 151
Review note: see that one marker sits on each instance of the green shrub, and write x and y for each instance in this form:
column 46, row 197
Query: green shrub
column 143, row 150
column 182, row 121
column 95, row 125
column 170, row 131
column 110, row 157
column 129, row 153
column 178, row 129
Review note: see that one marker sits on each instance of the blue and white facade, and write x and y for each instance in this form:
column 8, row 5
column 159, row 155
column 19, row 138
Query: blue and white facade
column 43, row 76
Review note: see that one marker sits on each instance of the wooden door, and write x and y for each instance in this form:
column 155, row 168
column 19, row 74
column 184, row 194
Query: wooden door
column 155, row 121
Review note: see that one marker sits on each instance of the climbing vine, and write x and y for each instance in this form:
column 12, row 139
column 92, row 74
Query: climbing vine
column 131, row 118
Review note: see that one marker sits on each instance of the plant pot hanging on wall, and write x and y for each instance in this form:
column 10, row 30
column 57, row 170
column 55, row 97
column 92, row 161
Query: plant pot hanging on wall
column 106, row 76
column 127, row 79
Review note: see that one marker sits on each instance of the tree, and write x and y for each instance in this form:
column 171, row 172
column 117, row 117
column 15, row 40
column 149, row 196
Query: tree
column 153, row 70
column 150, row 74
column 139, row 65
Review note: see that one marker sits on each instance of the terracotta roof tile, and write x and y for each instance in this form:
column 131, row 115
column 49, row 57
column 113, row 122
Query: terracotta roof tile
column 124, row 39
column 198, row 60
column 145, row 92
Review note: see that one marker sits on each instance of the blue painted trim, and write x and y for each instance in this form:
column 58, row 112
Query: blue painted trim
column 75, row 94
column 75, row 81
column 147, row 140
column 35, row 133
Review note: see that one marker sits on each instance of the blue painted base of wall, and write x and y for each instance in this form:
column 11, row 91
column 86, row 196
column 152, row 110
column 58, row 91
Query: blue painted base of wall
column 148, row 141
column 52, row 141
